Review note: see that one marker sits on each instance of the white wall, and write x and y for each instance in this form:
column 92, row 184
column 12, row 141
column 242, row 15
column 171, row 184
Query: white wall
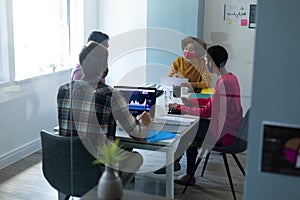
column 118, row 16
column 238, row 40
column 26, row 111
column 125, row 22
column 90, row 12
column 177, row 19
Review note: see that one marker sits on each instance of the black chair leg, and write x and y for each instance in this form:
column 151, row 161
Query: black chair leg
column 239, row 164
column 205, row 163
column 228, row 174
column 192, row 175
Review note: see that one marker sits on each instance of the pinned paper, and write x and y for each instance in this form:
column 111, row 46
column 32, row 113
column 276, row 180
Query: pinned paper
column 234, row 12
column 244, row 22
column 229, row 20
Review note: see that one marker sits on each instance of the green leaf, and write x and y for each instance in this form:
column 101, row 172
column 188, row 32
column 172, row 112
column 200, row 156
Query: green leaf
column 110, row 153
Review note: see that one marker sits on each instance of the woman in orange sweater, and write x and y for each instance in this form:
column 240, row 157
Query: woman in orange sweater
column 192, row 65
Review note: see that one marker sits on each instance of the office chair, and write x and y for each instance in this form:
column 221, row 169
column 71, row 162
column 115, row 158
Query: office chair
column 67, row 165
column 238, row 146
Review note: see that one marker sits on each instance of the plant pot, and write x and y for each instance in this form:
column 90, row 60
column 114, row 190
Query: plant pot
column 110, row 186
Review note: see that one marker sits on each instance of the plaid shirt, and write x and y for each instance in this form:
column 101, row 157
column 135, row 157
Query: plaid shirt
column 90, row 107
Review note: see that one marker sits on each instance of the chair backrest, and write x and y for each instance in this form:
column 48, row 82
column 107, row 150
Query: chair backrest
column 67, row 165
column 243, row 131
column 240, row 143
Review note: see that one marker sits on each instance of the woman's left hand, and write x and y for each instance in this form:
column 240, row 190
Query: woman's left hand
column 188, row 85
column 173, row 105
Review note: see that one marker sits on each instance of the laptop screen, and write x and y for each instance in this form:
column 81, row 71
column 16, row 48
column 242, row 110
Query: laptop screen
column 139, row 99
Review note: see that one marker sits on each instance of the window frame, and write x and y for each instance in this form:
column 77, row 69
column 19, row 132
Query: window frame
column 7, row 52
column 6, row 43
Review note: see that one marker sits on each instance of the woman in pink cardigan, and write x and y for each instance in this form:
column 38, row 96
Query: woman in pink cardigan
column 223, row 109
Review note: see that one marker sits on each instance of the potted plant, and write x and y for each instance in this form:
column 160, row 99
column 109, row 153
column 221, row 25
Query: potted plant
column 110, row 186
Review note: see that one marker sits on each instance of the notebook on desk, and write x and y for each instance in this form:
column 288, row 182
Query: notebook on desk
column 139, row 99
column 169, row 82
column 154, row 136
column 174, row 120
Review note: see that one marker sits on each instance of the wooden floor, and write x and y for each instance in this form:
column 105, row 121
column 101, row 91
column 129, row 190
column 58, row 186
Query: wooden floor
column 24, row 180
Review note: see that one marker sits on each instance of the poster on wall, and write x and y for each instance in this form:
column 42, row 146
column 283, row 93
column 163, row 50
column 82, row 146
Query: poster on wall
column 281, row 148
column 236, row 13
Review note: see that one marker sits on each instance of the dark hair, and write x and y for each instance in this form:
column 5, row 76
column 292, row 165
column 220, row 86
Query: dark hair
column 98, row 36
column 93, row 58
column 218, row 54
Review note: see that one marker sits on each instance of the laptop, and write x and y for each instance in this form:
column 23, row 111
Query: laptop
column 169, row 82
column 159, row 88
column 139, row 99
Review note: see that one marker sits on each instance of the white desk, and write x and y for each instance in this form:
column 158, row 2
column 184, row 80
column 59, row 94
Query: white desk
column 167, row 146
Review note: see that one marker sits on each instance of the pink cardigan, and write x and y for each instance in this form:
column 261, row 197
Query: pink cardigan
column 223, row 108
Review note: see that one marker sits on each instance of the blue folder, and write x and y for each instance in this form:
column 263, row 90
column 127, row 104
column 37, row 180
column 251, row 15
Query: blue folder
column 153, row 136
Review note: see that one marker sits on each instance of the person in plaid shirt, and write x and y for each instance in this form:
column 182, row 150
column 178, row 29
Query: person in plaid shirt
column 87, row 104
column 89, row 108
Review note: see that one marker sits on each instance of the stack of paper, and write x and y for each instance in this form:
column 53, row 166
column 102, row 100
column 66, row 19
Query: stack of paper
column 176, row 120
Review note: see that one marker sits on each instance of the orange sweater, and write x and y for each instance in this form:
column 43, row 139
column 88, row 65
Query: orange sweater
column 197, row 74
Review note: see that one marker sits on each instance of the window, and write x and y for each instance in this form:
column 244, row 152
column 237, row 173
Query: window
column 3, row 43
column 41, row 43
column 39, row 36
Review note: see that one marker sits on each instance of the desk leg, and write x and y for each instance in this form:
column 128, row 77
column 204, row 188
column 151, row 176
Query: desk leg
column 170, row 173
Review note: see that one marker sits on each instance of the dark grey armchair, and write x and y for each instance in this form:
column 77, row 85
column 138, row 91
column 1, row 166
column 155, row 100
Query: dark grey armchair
column 67, row 165
column 238, row 146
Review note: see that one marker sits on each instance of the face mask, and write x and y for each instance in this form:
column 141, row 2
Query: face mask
column 222, row 64
column 189, row 55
